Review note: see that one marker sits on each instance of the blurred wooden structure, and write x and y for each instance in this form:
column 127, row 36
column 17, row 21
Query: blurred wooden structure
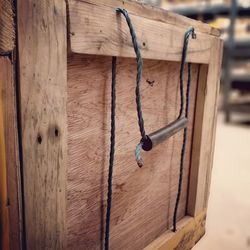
column 63, row 91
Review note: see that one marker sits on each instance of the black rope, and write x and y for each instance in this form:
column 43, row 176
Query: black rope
column 140, row 118
column 113, row 105
column 189, row 32
column 139, row 71
column 112, row 154
column 138, row 84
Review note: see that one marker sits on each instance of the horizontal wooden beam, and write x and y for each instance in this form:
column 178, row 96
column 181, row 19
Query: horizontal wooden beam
column 157, row 14
column 96, row 28
column 190, row 230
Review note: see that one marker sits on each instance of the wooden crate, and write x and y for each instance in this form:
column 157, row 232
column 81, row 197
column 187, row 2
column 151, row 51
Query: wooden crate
column 63, row 80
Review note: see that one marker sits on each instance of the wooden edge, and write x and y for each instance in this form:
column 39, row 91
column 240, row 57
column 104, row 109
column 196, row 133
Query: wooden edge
column 8, row 100
column 204, row 131
column 4, row 212
column 158, row 14
column 96, row 28
column 42, row 48
column 189, row 233
column 7, row 31
column 196, row 145
column 215, row 32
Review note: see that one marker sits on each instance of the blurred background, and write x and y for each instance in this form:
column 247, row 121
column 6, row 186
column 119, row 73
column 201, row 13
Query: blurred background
column 228, row 221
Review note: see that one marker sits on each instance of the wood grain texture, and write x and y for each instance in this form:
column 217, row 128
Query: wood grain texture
column 13, row 191
column 191, row 229
column 143, row 199
column 157, row 14
column 205, row 127
column 43, row 94
column 4, row 212
column 96, row 28
column 7, row 30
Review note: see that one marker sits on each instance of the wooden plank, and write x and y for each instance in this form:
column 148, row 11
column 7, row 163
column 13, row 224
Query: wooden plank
column 4, row 212
column 143, row 199
column 199, row 116
column 154, row 13
column 7, row 31
column 7, row 96
column 43, row 92
column 190, row 231
column 97, row 29
column 205, row 123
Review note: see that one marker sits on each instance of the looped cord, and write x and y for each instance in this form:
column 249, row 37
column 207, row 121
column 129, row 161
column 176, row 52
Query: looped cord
column 138, row 84
column 189, row 32
column 182, row 113
column 113, row 106
column 141, row 122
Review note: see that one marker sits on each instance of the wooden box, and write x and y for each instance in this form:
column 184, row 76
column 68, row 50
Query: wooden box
column 56, row 176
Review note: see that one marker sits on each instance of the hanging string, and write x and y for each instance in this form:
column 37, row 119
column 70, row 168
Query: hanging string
column 189, row 32
column 111, row 155
column 139, row 114
column 141, row 121
column 138, row 84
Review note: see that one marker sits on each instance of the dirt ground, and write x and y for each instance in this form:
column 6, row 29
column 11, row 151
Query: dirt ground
column 228, row 221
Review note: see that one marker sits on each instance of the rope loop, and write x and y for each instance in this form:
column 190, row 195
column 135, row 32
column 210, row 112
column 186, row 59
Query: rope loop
column 139, row 160
column 138, row 86
column 183, row 113
column 190, row 31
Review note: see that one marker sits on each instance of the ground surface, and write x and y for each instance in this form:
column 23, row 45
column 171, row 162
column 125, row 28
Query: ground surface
column 228, row 221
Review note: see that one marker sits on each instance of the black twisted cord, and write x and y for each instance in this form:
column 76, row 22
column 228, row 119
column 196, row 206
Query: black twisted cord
column 111, row 155
column 138, row 84
column 139, row 71
column 189, row 32
column 113, row 105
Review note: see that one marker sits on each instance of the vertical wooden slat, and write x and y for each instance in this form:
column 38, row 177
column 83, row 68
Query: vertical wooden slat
column 204, row 134
column 4, row 212
column 10, row 147
column 43, row 94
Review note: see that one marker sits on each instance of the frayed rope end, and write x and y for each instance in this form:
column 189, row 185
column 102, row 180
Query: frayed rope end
column 138, row 155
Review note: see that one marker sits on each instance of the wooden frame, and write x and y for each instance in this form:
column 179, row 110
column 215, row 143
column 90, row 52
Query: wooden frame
column 46, row 33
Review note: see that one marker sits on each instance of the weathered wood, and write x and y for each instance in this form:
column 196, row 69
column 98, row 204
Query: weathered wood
column 96, row 28
column 153, row 13
column 7, row 31
column 191, row 229
column 205, row 124
column 66, row 123
column 143, row 199
column 9, row 123
column 4, row 213
column 43, row 94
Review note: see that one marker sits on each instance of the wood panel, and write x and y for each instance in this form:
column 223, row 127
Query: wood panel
column 4, row 212
column 157, row 14
column 96, row 28
column 43, row 95
column 205, row 127
column 143, row 199
column 12, row 170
